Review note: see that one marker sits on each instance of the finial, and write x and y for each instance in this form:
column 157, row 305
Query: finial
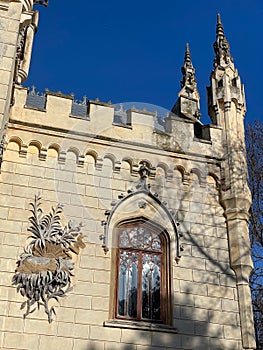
column 221, row 46
column 188, row 71
column 219, row 26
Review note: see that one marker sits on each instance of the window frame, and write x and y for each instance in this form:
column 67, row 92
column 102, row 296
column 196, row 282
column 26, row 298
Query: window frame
column 166, row 295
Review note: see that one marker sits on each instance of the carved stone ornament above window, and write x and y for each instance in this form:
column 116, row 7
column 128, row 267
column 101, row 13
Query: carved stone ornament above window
column 45, row 268
column 134, row 204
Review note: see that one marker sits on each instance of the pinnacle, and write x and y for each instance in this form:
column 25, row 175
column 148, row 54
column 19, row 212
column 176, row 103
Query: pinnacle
column 187, row 56
column 219, row 26
column 188, row 70
column 221, row 46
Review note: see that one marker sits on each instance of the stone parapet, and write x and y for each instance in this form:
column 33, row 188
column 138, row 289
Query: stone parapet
column 99, row 119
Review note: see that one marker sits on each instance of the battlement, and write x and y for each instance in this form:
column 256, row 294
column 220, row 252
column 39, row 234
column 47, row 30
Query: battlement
column 57, row 111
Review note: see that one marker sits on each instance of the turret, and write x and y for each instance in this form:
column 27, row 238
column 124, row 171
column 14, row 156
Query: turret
column 18, row 26
column 188, row 102
column 226, row 105
column 225, row 85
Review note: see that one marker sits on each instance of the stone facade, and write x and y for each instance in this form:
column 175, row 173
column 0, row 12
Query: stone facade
column 92, row 158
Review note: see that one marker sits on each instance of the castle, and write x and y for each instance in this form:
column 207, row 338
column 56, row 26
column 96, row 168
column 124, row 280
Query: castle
column 147, row 244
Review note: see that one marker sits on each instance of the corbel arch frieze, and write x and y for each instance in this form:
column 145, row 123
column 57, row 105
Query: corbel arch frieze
column 168, row 172
column 14, row 139
column 116, row 164
column 201, row 176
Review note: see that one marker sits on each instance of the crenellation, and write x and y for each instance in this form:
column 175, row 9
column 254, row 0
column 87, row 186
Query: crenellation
column 61, row 106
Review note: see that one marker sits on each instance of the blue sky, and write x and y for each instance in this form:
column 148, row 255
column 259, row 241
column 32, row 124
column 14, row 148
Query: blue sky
column 132, row 51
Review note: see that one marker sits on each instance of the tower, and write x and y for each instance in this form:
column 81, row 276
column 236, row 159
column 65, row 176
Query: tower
column 227, row 108
column 18, row 25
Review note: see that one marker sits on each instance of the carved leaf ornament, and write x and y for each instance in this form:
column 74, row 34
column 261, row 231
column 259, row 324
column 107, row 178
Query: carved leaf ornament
column 45, row 268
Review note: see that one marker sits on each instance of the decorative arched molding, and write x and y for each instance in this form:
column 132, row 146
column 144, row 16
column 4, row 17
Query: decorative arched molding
column 98, row 161
column 129, row 161
column 54, row 146
column 136, row 204
column 185, row 174
column 93, row 154
column 75, row 151
column 111, row 157
column 16, row 140
column 216, row 179
column 168, row 172
column 200, row 175
column 36, row 144
column 134, row 167
column 116, row 164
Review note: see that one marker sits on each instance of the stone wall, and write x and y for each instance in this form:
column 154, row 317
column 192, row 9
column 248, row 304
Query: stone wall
column 85, row 165
column 10, row 14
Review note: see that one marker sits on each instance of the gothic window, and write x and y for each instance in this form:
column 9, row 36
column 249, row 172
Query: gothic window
column 141, row 272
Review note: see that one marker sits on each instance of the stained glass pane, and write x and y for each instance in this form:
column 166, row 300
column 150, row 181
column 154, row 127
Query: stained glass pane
column 151, row 287
column 124, row 239
column 140, row 254
column 140, row 238
column 128, row 284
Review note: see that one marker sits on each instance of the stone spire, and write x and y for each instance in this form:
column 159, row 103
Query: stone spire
column 188, row 81
column 187, row 104
column 225, row 84
column 221, row 46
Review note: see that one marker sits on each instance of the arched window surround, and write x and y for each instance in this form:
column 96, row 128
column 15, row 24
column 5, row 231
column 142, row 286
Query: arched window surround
column 141, row 204
column 164, row 315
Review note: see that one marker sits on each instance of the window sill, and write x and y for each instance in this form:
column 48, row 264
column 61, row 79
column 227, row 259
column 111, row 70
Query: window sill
column 140, row 325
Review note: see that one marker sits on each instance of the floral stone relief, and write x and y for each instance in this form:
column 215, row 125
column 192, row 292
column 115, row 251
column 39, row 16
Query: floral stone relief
column 45, row 267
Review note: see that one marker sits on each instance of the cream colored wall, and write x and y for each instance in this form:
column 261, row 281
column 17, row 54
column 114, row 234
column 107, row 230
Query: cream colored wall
column 86, row 178
column 10, row 13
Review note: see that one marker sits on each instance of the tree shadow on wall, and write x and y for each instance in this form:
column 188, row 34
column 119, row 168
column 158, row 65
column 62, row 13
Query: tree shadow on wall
column 204, row 287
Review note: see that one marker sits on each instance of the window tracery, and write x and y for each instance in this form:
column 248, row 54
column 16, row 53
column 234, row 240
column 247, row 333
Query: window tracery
column 140, row 272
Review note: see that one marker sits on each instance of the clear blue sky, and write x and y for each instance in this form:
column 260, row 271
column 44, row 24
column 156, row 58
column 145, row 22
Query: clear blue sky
column 132, row 51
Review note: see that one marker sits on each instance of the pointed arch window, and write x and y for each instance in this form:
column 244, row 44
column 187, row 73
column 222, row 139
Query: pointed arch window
column 142, row 272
